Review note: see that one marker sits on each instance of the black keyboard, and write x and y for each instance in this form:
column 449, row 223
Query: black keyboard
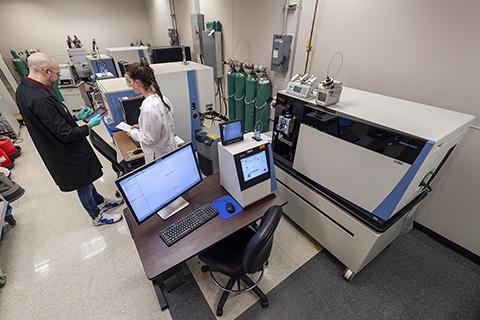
column 187, row 224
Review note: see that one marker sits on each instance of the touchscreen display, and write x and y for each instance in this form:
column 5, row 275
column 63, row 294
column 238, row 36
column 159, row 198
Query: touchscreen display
column 254, row 165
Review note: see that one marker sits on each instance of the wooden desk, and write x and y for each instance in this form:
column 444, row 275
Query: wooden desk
column 125, row 146
column 154, row 254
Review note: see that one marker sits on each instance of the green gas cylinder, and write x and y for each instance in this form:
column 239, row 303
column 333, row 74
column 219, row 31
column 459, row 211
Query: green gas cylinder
column 240, row 77
column 20, row 67
column 264, row 92
column 231, row 92
column 250, row 95
column 14, row 54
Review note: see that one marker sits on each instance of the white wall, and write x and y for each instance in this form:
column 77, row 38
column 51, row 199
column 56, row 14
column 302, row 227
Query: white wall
column 183, row 9
column 425, row 51
column 44, row 24
column 158, row 12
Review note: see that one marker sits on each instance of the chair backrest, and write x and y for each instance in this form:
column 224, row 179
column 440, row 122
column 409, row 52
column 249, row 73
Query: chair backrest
column 259, row 247
column 106, row 150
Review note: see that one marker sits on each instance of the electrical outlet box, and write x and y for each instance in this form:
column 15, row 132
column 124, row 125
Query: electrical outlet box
column 281, row 52
column 212, row 51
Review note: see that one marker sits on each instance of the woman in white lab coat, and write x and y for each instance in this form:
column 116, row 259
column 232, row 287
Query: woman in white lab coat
column 155, row 130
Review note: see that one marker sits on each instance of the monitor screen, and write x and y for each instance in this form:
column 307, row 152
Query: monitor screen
column 131, row 108
column 231, row 132
column 170, row 54
column 152, row 187
column 122, row 65
column 254, row 165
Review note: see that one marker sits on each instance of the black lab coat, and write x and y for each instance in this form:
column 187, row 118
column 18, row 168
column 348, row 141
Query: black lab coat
column 62, row 144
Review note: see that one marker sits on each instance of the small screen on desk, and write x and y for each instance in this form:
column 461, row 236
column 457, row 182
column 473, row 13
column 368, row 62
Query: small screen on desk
column 152, row 187
column 231, row 131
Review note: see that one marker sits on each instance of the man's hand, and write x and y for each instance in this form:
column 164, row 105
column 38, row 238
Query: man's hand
column 95, row 121
column 83, row 113
column 135, row 126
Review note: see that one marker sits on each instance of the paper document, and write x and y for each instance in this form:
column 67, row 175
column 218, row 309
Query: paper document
column 123, row 126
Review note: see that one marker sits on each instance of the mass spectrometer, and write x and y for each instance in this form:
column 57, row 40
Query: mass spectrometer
column 353, row 171
column 112, row 91
column 189, row 87
column 128, row 54
column 103, row 66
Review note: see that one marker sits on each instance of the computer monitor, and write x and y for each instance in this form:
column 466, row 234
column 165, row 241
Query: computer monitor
column 131, row 108
column 169, row 54
column 122, row 65
column 231, row 132
column 156, row 187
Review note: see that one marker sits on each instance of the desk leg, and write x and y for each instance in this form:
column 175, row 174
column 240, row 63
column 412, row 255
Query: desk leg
column 168, row 281
column 162, row 300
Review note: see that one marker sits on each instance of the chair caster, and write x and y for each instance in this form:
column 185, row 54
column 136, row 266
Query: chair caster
column 264, row 304
column 348, row 275
column 219, row 313
column 205, row 268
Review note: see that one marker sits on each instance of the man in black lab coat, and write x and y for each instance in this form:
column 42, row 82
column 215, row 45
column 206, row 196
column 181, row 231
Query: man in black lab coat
column 61, row 143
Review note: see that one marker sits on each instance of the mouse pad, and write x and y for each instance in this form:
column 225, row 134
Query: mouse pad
column 220, row 206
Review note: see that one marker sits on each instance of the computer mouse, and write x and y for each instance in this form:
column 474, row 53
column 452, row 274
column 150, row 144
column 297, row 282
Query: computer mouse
column 230, row 207
column 137, row 151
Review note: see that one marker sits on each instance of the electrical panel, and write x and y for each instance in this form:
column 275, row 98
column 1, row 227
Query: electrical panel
column 281, row 52
column 212, row 51
column 198, row 25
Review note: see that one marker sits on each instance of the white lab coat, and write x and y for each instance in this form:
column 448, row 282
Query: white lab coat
column 157, row 129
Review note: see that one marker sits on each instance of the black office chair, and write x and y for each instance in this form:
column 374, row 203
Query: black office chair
column 244, row 252
column 109, row 153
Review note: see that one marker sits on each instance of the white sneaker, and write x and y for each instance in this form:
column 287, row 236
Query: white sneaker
column 5, row 171
column 106, row 218
column 108, row 204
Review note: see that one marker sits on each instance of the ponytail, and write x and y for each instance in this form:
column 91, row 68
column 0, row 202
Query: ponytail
column 156, row 87
column 143, row 72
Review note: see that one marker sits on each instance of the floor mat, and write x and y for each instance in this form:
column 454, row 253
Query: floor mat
column 415, row 278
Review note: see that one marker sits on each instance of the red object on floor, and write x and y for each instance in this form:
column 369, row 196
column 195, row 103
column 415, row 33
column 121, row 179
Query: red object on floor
column 6, row 145
column 5, row 160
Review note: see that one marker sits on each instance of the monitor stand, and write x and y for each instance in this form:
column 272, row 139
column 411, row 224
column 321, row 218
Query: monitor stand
column 174, row 207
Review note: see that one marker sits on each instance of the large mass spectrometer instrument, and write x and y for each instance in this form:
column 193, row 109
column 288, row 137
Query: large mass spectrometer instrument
column 112, row 91
column 78, row 59
column 189, row 87
column 122, row 55
column 353, row 171
column 102, row 66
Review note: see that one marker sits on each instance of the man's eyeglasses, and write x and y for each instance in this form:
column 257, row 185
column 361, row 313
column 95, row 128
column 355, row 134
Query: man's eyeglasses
column 57, row 72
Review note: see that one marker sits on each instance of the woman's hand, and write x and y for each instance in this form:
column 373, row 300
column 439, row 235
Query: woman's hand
column 135, row 126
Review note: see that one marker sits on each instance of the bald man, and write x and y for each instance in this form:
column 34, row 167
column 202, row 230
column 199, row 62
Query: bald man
column 61, row 143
